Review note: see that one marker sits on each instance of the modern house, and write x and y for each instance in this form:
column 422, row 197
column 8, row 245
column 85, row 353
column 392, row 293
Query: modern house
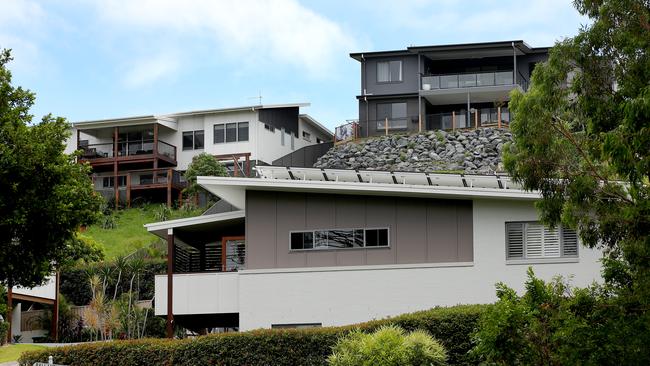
column 29, row 306
column 145, row 155
column 303, row 247
column 442, row 86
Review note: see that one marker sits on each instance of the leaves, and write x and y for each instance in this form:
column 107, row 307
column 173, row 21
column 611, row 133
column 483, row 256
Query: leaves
column 45, row 196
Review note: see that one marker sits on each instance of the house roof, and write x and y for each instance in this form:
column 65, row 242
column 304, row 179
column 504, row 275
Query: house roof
column 170, row 119
column 366, row 182
column 461, row 49
column 160, row 229
column 309, row 119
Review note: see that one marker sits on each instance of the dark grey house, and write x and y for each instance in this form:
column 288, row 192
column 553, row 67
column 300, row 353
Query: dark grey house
column 442, row 87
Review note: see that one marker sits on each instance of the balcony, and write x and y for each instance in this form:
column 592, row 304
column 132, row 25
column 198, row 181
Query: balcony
column 481, row 87
column 144, row 150
column 481, row 117
column 469, row 80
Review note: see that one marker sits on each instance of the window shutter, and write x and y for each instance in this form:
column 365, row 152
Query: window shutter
column 534, row 240
column 569, row 243
column 551, row 243
column 515, row 237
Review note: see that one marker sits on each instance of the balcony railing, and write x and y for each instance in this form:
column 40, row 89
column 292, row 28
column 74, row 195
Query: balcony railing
column 467, row 80
column 481, row 117
column 141, row 178
column 124, row 149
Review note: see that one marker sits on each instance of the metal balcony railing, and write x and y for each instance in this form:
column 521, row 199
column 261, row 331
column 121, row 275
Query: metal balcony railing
column 135, row 148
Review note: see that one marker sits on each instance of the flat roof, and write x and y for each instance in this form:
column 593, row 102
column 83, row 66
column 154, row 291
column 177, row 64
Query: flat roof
column 166, row 117
column 160, row 228
column 366, row 182
column 520, row 44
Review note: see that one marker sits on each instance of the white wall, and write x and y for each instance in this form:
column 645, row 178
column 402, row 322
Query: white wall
column 346, row 295
column 199, row 293
column 338, row 297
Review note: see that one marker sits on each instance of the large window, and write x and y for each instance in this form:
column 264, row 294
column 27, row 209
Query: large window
column 108, row 182
column 533, row 240
column 339, row 239
column 230, row 132
column 389, row 71
column 193, row 140
column 395, row 113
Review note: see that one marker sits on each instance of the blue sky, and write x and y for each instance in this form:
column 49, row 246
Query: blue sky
column 115, row 58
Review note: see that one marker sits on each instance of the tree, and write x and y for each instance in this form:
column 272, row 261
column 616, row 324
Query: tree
column 582, row 138
column 203, row 164
column 45, row 196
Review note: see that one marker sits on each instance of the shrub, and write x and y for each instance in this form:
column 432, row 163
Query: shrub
column 387, row 346
column 4, row 329
column 451, row 326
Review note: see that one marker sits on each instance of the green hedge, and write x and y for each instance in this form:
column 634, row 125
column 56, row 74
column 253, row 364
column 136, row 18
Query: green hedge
column 452, row 326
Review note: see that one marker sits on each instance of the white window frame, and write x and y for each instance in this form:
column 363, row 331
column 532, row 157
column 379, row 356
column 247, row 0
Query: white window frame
column 526, row 258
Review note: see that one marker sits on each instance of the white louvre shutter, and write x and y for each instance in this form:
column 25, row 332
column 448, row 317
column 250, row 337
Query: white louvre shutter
column 551, row 243
column 569, row 243
column 515, row 240
column 534, row 240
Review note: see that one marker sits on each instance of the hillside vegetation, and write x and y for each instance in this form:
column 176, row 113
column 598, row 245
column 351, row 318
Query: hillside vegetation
column 123, row 232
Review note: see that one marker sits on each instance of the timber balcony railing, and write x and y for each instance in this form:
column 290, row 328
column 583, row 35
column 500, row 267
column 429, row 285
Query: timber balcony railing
column 141, row 179
column 469, row 80
column 128, row 150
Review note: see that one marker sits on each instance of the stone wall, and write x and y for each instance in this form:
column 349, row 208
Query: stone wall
column 469, row 151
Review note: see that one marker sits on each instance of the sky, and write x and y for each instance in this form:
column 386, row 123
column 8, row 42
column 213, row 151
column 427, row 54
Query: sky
column 99, row 59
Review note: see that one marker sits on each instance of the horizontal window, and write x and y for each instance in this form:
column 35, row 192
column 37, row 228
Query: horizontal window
column 269, row 127
column 306, row 136
column 533, row 240
column 339, row 239
column 108, row 182
column 230, row 132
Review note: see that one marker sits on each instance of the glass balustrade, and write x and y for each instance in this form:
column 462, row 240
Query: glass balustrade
column 467, row 80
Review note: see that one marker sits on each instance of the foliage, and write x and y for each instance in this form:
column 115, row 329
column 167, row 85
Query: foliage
column 128, row 233
column 582, row 137
column 163, row 213
column 554, row 324
column 4, row 330
column 584, row 143
column 388, row 345
column 45, row 196
column 70, row 325
column 451, row 326
column 83, row 249
column 203, row 164
column 74, row 281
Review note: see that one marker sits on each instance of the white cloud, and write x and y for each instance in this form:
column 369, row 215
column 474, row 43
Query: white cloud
column 20, row 24
column 145, row 71
column 246, row 31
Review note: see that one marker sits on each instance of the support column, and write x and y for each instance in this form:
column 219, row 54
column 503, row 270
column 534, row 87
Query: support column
column 128, row 189
column 170, row 176
column 55, row 308
column 78, row 138
column 155, row 153
column 499, row 117
column 170, row 283
column 248, row 165
column 469, row 116
column 10, row 308
column 116, row 186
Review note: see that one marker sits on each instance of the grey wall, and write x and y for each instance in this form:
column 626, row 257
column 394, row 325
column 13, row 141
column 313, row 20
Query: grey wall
column 410, row 76
column 421, row 230
column 279, row 118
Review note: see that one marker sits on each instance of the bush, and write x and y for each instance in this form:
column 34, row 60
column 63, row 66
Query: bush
column 4, row 330
column 554, row 324
column 451, row 326
column 387, row 346
column 76, row 288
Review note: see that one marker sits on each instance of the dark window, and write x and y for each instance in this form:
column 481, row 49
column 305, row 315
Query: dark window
column 107, row 182
column 389, row 71
column 306, row 136
column 219, row 134
column 188, row 140
column 269, row 127
column 318, row 141
column 146, row 178
column 396, row 113
column 339, row 239
column 198, row 140
column 231, row 132
column 242, row 131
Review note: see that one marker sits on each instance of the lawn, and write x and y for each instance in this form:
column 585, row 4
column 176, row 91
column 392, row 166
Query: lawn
column 129, row 233
column 11, row 352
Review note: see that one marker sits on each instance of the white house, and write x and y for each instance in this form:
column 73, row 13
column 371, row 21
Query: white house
column 146, row 154
column 321, row 247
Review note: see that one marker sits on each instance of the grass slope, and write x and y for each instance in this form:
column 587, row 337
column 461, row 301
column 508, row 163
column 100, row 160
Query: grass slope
column 129, row 233
column 12, row 352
